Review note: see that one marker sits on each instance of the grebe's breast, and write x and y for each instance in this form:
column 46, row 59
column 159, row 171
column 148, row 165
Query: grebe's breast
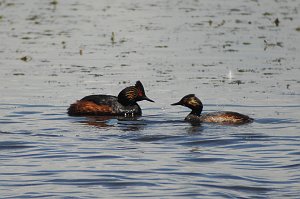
column 102, row 105
column 225, row 117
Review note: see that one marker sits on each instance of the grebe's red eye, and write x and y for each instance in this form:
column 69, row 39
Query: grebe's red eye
column 140, row 93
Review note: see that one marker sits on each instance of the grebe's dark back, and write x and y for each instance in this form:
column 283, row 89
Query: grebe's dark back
column 224, row 117
column 123, row 105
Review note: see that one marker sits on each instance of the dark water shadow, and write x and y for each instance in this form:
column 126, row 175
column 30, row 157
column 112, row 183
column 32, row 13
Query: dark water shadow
column 13, row 145
column 240, row 188
column 153, row 138
column 276, row 121
column 106, row 182
column 209, row 142
column 255, row 106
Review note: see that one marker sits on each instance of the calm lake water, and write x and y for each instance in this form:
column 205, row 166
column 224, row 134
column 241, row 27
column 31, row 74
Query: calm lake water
column 234, row 55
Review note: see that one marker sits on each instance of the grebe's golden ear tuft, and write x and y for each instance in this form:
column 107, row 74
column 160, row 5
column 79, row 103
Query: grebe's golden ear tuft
column 131, row 93
column 193, row 101
column 128, row 95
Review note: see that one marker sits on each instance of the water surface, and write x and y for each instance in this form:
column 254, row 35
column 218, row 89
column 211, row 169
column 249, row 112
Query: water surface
column 232, row 55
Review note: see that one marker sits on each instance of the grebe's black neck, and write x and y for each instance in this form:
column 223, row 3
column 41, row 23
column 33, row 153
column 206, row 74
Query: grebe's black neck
column 197, row 111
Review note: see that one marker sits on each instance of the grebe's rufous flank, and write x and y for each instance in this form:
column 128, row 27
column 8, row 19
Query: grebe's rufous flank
column 123, row 105
column 223, row 117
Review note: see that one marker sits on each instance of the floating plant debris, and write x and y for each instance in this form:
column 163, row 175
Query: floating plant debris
column 64, row 44
column 112, row 38
column 246, row 70
column 161, row 46
column 230, row 50
column 32, row 18
column 246, row 43
column 54, row 2
column 267, row 44
column 267, row 14
column 276, row 22
column 18, row 74
column 238, row 82
column 220, row 24
column 123, row 40
column 26, row 58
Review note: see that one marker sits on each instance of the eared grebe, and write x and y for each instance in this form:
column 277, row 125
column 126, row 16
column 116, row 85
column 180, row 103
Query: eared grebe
column 123, row 105
column 224, row 117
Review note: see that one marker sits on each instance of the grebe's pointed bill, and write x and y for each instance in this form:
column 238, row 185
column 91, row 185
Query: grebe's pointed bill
column 177, row 103
column 141, row 92
column 148, row 99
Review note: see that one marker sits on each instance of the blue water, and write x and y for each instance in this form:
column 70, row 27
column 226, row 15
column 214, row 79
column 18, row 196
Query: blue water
column 159, row 155
column 211, row 48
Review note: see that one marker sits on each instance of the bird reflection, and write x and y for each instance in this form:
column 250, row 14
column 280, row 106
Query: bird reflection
column 194, row 129
column 125, row 123
column 98, row 121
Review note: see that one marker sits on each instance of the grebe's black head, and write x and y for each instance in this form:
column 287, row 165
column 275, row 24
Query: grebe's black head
column 192, row 102
column 133, row 94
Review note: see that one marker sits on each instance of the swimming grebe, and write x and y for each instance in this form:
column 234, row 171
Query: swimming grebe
column 123, row 105
column 224, row 117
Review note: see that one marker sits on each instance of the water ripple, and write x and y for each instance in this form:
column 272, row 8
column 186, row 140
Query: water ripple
column 108, row 182
column 12, row 145
column 236, row 55
column 247, row 189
